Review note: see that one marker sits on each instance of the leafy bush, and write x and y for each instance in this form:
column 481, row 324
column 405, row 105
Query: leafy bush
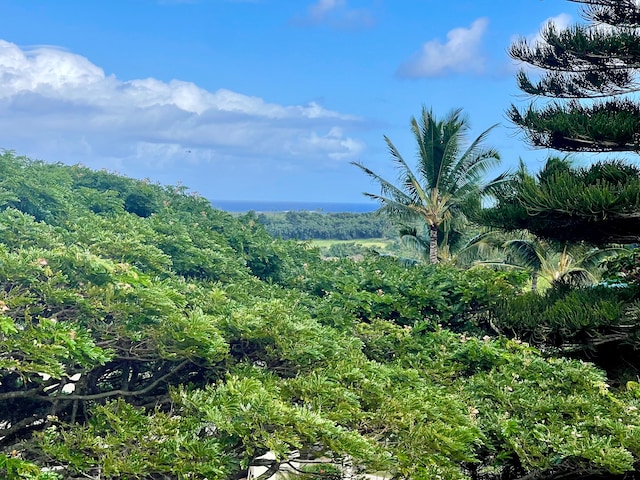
column 381, row 287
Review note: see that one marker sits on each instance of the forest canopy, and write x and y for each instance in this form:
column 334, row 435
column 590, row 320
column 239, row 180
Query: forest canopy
column 305, row 225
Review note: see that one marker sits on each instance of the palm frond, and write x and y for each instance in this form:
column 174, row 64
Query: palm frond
column 393, row 209
column 435, row 192
column 453, row 136
column 526, row 253
column 416, row 243
column 406, row 176
column 498, row 265
column 445, row 138
column 386, row 187
column 596, row 256
column 474, row 163
column 480, row 247
column 577, row 277
column 496, row 185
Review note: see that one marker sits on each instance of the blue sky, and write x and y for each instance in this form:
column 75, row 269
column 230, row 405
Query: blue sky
column 256, row 99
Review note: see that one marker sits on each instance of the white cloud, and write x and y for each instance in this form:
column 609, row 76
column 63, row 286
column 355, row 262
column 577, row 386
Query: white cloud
column 333, row 143
column 460, row 54
column 64, row 107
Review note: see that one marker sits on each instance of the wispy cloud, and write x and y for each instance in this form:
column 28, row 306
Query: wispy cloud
column 461, row 53
column 319, row 11
column 336, row 14
column 64, row 105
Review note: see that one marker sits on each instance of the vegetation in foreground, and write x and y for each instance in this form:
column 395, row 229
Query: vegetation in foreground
column 147, row 336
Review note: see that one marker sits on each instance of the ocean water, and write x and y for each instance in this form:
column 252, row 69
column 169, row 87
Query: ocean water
column 238, row 206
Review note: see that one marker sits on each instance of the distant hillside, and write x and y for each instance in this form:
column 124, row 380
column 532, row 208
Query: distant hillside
column 304, row 225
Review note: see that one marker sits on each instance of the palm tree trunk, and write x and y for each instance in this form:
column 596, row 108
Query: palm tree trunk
column 534, row 282
column 433, row 244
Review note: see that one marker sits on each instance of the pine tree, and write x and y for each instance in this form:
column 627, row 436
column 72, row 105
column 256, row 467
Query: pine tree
column 584, row 101
column 590, row 72
column 589, row 77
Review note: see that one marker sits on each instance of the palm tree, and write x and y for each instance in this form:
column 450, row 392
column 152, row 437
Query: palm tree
column 575, row 264
column 447, row 181
column 462, row 245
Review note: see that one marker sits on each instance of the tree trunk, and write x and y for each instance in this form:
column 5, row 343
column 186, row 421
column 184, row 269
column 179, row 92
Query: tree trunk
column 534, row 282
column 433, row 244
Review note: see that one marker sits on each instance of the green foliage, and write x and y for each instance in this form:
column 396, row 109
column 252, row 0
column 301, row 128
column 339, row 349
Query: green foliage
column 382, row 288
column 193, row 249
column 248, row 411
column 605, row 126
column 121, row 441
column 21, row 230
column 109, row 193
column 599, row 323
column 546, row 415
column 552, row 421
column 43, row 192
column 624, row 269
column 121, row 238
column 348, row 249
column 183, row 343
column 321, row 470
column 13, row 467
column 567, row 317
column 46, row 347
column 589, row 72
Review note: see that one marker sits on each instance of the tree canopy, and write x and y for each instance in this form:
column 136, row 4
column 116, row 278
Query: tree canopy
column 599, row 204
column 304, row 225
column 589, row 77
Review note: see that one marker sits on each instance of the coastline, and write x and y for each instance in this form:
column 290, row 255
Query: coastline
column 241, row 206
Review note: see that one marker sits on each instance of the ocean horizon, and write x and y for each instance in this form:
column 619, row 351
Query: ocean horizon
column 242, row 206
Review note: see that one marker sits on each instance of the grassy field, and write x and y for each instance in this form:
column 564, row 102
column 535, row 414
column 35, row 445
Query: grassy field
column 347, row 248
column 380, row 243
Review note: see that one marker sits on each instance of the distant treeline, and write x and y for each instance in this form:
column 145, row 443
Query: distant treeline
column 305, row 225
